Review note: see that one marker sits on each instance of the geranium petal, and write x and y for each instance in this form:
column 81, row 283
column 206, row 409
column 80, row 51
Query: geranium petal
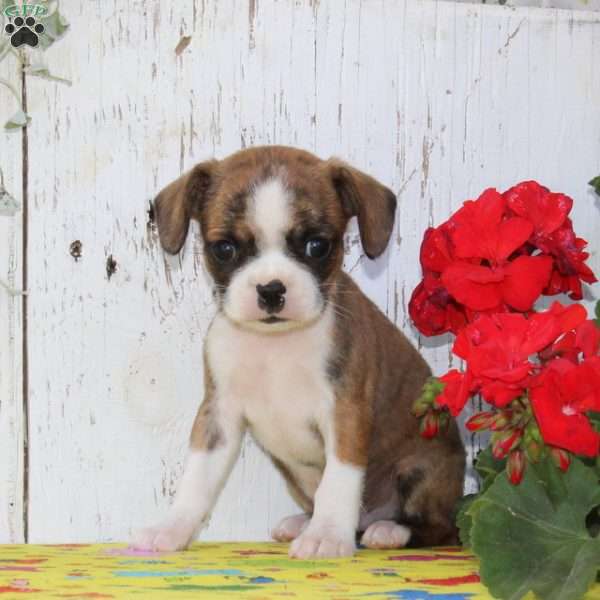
column 460, row 280
column 588, row 338
column 499, row 394
column 546, row 210
column 436, row 251
column 512, row 234
column 526, row 277
column 571, row 431
column 475, row 231
column 457, row 390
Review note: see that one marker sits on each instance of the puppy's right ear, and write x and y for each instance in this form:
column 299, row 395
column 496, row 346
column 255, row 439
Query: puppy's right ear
column 181, row 201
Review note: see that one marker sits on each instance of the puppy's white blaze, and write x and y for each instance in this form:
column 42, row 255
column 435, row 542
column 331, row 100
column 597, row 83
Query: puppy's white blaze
column 270, row 213
column 270, row 216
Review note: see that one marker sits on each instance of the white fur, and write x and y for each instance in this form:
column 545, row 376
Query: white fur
column 290, row 528
column 337, row 505
column 279, row 384
column 269, row 213
column 386, row 534
column 203, row 478
column 270, row 218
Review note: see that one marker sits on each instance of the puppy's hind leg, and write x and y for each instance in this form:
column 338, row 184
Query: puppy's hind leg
column 290, row 528
column 385, row 534
column 428, row 493
column 214, row 447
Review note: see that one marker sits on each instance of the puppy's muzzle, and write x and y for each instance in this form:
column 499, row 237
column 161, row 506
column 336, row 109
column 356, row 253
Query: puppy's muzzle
column 271, row 297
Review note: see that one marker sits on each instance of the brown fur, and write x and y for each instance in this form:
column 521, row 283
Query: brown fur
column 381, row 377
column 206, row 433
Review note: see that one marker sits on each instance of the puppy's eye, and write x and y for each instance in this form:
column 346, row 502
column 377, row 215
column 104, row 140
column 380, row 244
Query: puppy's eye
column 317, row 247
column 224, row 251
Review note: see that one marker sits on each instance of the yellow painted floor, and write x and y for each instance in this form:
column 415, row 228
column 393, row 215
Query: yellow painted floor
column 249, row 570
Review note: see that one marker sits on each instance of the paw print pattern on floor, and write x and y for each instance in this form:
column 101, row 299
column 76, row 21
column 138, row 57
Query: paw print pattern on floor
column 24, row 31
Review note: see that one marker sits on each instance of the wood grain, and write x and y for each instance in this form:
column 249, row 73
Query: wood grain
column 11, row 383
column 438, row 100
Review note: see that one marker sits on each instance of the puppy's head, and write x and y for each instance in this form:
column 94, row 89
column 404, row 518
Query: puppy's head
column 273, row 221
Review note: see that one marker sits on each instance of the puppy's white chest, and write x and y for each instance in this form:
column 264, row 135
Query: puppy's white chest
column 278, row 383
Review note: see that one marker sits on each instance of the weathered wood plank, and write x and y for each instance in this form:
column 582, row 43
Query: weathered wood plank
column 11, row 388
column 438, row 100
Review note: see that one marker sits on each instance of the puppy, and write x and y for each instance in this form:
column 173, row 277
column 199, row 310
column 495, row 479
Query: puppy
column 301, row 359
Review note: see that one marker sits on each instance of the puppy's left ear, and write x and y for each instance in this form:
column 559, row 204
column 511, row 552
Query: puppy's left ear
column 371, row 202
column 181, row 201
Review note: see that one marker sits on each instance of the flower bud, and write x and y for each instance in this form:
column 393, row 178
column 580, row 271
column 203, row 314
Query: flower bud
column 502, row 420
column 534, row 450
column 505, row 441
column 421, row 406
column 515, row 466
column 435, row 385
column 561, row 458
column 480, row 421
column 444, row 417
column 430, row 425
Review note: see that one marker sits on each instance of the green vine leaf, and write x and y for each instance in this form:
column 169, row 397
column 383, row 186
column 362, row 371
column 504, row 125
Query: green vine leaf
column 42, row 71
column 595, row 183
column 533, row 537
column 4, row 46
column 18, row 120
column 55, row 25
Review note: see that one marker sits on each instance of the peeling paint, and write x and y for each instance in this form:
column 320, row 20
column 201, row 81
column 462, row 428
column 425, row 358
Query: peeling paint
column 184, row 42
column 111, row 266
column 76, row 249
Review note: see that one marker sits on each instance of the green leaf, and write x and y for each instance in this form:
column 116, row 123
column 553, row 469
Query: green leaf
column 595, row 183
column 4, row 46
column 9, row 206
column 597, row 313
column 594, row 417
column 533, row 537
column 18, row 120
column 55, row 26
column 464, row 521
column 40, row 70
column 488, row 467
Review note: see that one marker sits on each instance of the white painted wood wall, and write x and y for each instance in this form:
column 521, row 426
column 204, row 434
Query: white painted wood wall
column 438, row 100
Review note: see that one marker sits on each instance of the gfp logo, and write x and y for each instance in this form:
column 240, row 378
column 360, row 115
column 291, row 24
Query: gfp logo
column 23, row 27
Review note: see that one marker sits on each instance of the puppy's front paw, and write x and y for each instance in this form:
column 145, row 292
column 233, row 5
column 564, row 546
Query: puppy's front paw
column 171, row 536
column 322, row 542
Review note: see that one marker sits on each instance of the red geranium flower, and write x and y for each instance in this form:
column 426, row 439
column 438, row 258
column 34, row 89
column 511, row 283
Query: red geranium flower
column 437, row 251
column 498, row 253
column 482, row 233
column 457, row 389
column 582, row 341
column 561, row 395
column 569, row 268
column 545, row 210
column 433, row 310
column 497, row 349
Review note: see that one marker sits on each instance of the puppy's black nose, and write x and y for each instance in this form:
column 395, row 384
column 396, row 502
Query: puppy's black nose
column 271, row 296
